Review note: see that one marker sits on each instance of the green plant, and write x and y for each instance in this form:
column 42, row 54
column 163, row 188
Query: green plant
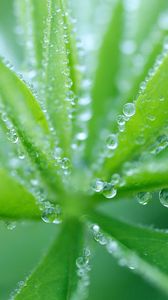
column 69, row 147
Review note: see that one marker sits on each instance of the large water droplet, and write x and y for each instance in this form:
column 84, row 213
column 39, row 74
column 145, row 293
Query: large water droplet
column 52, row 214
column 129, row 109
column 163, row 196
column 121, row 120
column 109, row 191
column 65, row 163
column 98, row 185
column 144, row 198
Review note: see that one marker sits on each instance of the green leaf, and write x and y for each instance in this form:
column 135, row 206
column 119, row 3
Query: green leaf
column 105, row 85
column 57, row 79
column 15, row 201
column 149, row 121
column 56, row 277
column 156, row 50
column 31, row 16
column 28, row 122
column 148, row 176
column 143, row 249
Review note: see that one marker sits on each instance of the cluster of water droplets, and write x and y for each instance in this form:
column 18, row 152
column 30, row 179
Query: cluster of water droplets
column 145, row 198
column 83, row 269
column 8, row 224
column 18, row 288
column 83, row 108
column 124, row 257
column 112, row 139
column 24, row 172
column 108, row 189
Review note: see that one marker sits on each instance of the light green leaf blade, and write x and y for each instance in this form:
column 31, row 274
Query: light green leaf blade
column 56, row 277
column 15, row 201
column 147, row 123
column 29, row 123
column 156, row 50
column 143, row 249
column 148, row 176
column 31, row 17
column 105, row 87
column 57, row 80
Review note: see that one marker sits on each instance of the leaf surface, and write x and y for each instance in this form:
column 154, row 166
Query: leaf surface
column 148, row 122
column 145, row 250
column 28, row 123
column 105, row 85
column 15, row 201
column 56, row 276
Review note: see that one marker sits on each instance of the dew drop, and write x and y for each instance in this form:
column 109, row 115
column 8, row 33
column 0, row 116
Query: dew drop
column 10, row 225
column 112, row 141
column 57, row 153
column 121, row 120
column 65, row 163
column 12, row 136
column 112, row 246
column 98, row 235
column 129, row 109
column 21, row 154
column 81, row 136
column 109, row 191
column 52, row 214
column 98, row 185
column 115, row 179
column 163, row 197
column 151, row 118
column 144, row 198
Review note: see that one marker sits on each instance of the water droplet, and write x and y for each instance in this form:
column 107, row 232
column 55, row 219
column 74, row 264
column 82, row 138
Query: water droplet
column 151, row 118
column 10, row 225
column 112, row 246
column 84, row 100
column 21, row 154
column 115, row 179
column 144, row 198
column 81, row 136
column 65, row 163
column 98, row 235
column 163, row 196
column 12, row 136
column 121, row 120
column 129, row 109
column 98, row 185
column 109, row 191
column 52, row 214
column 34, row 182
column 112, row 141
column 57, row 153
